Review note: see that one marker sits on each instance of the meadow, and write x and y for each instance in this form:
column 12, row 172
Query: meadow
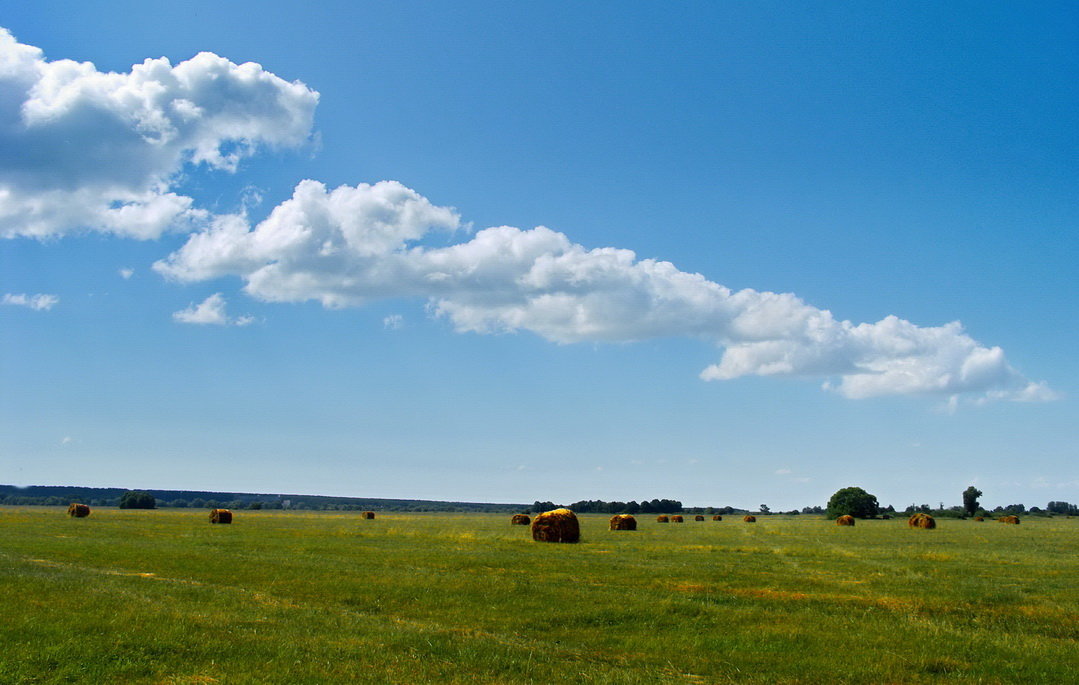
column 301, row 597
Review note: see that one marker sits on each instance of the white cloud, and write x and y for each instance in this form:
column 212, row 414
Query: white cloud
column 66, row 440
column 126, row 273
column 783, row 472
column 351, row 245
column 36, row 302
column 393, row 322
column 211, row 311
column 101, row 151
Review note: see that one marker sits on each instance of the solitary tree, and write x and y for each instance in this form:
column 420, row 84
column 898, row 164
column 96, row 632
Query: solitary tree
column 970, row 499
column 136, row 499
column 853, row 501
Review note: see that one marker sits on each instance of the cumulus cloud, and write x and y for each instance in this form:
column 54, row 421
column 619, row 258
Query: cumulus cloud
column 126, row 274
column 36, row 302
column 351, row 245
column 84, row 149
column 210, row 311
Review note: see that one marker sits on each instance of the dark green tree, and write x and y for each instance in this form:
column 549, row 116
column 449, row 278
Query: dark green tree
column 970, row 499
column 854, row 502
column 136, row 499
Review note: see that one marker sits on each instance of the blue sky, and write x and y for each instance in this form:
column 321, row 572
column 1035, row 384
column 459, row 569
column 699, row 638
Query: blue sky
column 210, row 281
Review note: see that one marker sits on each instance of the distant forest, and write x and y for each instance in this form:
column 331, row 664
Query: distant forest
column 55, row 495
column 50, row 495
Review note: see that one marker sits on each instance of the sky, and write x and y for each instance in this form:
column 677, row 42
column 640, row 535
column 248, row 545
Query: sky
column 725, row 253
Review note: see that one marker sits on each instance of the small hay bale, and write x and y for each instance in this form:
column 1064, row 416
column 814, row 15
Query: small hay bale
column 557, row 525
column 845, row 520
column 662, row 518
column 749, row 518
column 220, row 516
column 1009, row 519
column 623, row 522
column 520, row 520
column 677, row 518
column 367, row 515
column 717, row 517
column 922, row 520
column 979, row 518
column 698, row 517
column 79, row 511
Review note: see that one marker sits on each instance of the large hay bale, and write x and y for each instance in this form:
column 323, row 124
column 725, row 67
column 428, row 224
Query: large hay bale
column 749, row 518
column 557, row 525
column 845, row 520
column 663, row 518
column 367, row 515
column 623, row 522
column 717, row 517
column 520, row 520
column 220, row 516
column 698, row 517
column 1009, row 519
column 922, row 520
column 677, row 518
column 77, row 510
column 979, row 518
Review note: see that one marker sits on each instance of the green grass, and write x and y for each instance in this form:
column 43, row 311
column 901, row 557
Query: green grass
column 281, row 597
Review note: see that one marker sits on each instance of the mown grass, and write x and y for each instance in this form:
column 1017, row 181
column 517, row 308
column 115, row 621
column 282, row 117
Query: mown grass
column 280, row 597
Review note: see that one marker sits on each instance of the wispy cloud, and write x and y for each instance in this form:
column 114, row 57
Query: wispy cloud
column 126, row 274
column 37, row 302
column 393, row 322
column 210, row 311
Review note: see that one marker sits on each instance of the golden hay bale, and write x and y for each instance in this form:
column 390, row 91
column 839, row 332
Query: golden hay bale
column 662, row 518
column 922, row 520
column 845, row 520
column 677, row 518
column 749, row 518
column 698, row 517
column 979, row 518
column 520, row 520
column 557, row 525
column 717, row 517
column 1009, row 519
column 220, row 516
column 623, row 522
column 78, row 510
column 367, row 515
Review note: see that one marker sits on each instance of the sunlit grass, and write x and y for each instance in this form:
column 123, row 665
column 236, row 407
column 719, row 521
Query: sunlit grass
column 283, row 597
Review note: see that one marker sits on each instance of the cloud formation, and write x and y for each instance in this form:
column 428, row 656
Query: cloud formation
column 85, row 150
column 37, row 302
column 210, row 311
column 351, row 245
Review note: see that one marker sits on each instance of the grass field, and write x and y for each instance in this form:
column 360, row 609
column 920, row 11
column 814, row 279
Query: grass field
column 281, row 597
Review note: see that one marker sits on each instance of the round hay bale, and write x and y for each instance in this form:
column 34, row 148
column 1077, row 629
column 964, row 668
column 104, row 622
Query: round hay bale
column 749, row 518
column 1009, row 519
column 662, row 518
column 367, row 515
column 677, row 518
column 220, row 516
column 623, row 522
column 698, row 517
column 717, row 517
column 979, row 518
column 520, row 520
column 76, row 510
column 557, row 525
column 921, row 520
column 845, row 520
